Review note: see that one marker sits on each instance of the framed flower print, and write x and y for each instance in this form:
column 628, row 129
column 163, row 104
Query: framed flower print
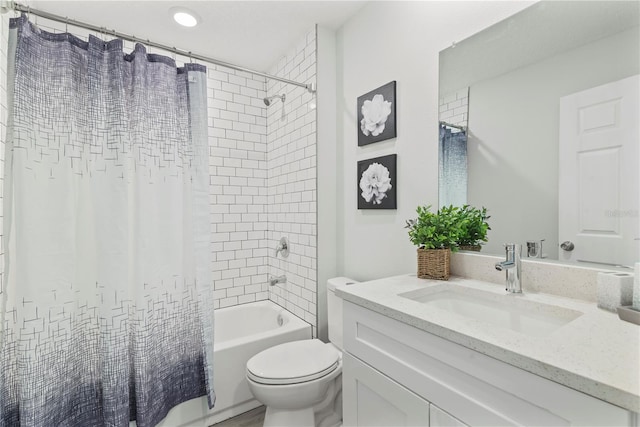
column 377, row 184
column 377, row 115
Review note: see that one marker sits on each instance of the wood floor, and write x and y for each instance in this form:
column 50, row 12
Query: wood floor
column 253, row 418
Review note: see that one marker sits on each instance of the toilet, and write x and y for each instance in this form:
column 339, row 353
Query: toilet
column 300, row 382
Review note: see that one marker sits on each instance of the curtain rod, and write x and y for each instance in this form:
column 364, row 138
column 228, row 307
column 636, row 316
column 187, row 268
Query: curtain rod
column 462, row 128
column 10, row 5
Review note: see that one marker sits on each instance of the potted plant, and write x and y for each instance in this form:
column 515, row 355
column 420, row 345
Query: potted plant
column 473, row 227
column 435, row 235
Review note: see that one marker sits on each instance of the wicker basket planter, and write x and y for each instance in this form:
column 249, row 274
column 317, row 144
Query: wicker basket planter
column 475, row 248
column 434, row 263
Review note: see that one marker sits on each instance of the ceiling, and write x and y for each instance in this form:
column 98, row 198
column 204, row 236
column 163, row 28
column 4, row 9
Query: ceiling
column 252, row 34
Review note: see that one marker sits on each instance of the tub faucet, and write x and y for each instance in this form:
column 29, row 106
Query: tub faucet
column 511, row 265
column 273, row 280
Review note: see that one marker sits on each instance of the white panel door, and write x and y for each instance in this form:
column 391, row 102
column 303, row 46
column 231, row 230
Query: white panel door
column 599, row 179
column 371, row 399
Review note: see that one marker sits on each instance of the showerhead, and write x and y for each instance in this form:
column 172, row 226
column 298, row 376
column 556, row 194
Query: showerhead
column 269, row 99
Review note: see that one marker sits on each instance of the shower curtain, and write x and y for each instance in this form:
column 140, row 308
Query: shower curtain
column 105, row 304
column 452, row 168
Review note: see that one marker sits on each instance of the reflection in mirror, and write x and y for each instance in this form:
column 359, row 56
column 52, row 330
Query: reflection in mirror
column 547, row 101
column 452, row 168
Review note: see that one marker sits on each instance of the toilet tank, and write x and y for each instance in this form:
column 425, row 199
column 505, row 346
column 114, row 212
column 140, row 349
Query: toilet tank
column 334, row 309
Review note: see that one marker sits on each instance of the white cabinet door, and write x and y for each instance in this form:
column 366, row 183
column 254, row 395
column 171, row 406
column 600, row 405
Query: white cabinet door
column 372, row 399
column 439, row 418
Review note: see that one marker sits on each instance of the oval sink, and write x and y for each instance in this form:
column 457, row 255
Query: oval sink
column 510, row 311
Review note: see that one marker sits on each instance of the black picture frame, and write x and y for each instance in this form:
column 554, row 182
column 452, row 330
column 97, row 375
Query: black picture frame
column 370, row 131
column 376, row 175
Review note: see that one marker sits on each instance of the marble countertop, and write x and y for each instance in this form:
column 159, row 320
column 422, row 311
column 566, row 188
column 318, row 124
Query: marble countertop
column 596, row 353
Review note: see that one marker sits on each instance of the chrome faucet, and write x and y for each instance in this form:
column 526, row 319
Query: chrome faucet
column 511, row 265
column 273, row 280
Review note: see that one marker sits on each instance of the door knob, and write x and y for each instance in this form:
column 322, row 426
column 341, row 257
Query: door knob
column 567, row 246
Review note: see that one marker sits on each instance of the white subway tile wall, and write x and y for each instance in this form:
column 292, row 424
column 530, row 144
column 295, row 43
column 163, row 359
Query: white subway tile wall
column 454, row 107
column 238, row 190
column 291, row 200
column 245, row 177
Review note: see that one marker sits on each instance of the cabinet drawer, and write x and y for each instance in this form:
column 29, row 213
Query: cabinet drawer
column 476, row 389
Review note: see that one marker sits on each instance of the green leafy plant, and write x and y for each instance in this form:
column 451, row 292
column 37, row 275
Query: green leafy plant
column 439, row 230
column 473, row 226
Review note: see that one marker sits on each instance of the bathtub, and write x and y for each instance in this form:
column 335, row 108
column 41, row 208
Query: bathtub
column 240, row 332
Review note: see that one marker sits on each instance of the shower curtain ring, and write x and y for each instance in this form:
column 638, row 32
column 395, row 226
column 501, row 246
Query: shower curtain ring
column 66, row 24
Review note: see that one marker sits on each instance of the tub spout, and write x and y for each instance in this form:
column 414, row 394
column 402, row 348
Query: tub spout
column 273, row 280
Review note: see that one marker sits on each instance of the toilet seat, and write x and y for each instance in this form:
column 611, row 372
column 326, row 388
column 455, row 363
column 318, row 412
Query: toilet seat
column 293, row 362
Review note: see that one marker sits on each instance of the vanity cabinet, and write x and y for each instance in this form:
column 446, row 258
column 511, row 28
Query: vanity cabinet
column 396, row 375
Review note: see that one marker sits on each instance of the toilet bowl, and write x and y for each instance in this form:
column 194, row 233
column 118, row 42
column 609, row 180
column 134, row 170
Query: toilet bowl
column 300, row 382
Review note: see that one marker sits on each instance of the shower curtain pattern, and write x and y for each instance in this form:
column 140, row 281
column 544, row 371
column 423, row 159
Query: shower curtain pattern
column 105, row 307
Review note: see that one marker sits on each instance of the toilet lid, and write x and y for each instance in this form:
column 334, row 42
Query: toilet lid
column 293, row 362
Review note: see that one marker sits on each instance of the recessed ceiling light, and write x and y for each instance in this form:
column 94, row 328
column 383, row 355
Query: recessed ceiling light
column 184, row 17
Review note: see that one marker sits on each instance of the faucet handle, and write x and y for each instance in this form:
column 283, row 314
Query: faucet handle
column 283, row 247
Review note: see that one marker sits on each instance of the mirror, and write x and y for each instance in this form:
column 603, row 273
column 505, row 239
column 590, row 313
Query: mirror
column 517, row 90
